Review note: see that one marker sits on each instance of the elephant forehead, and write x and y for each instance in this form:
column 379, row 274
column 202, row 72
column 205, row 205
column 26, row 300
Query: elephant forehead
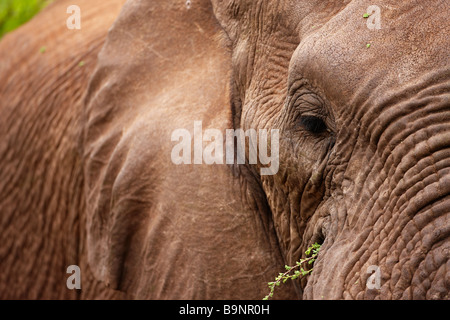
column 352, row 55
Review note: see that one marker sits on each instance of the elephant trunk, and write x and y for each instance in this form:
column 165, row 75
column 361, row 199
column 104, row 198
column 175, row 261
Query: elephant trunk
column 390, row 209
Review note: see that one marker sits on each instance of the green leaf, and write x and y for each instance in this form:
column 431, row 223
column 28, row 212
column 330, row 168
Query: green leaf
column 284, row 277
column 366, row 15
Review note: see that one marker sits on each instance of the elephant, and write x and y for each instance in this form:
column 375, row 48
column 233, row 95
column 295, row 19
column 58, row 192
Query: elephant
column 359, row 99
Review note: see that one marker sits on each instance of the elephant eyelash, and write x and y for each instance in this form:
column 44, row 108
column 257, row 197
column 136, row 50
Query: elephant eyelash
column 313, row 124
column 311, row 113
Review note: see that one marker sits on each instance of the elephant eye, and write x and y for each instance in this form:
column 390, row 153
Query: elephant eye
column 313, row 124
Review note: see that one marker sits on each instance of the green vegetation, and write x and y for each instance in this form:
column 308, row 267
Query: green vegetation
column 14, row 13
column 312, row 251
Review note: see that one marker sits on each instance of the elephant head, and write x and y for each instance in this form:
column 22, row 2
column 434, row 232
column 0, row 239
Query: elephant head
column 363, row 118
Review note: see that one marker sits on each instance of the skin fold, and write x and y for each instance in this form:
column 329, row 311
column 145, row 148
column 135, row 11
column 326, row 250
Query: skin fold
column 87, row 179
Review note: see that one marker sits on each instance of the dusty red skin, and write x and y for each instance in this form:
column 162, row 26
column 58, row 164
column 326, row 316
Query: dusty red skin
column 86, row 176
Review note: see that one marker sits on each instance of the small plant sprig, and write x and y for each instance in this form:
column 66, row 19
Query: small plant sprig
column 312, row 252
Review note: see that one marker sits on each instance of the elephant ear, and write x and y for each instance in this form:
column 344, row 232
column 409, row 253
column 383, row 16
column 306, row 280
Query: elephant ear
column 159, row 58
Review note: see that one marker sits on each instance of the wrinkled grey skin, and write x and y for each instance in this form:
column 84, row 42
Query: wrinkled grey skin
column 364, row 155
